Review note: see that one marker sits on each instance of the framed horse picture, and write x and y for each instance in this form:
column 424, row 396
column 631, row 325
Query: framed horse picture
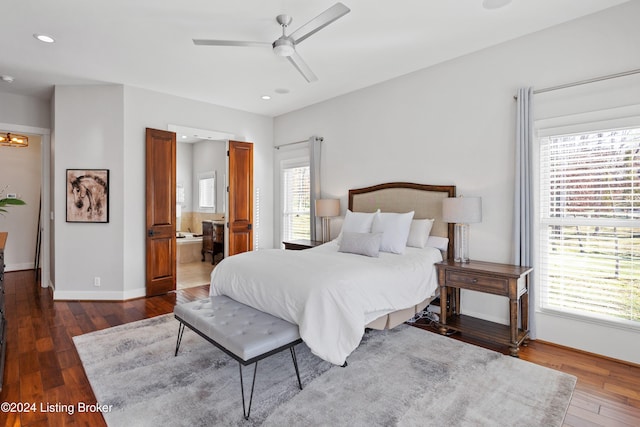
column 88, row 195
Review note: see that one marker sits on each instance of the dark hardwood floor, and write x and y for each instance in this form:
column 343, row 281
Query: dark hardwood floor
column 43, row 366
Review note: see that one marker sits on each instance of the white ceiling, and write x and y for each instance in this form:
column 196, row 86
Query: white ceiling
column 147, row 44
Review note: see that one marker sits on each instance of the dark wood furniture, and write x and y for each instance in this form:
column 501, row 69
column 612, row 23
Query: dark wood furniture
column 212, row 239
column 499, row 279
column 300, row 244
column 3, row 320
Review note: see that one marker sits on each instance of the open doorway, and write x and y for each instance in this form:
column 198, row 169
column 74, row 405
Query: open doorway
column 24, row 174
column 201, row 181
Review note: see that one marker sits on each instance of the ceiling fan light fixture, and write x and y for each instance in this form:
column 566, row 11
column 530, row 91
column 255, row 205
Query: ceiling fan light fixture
column 283, row 47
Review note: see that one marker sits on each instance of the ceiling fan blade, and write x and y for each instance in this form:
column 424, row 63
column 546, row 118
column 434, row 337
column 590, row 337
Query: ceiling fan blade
column 336, row 11
column 205, row 42
column 302, row 67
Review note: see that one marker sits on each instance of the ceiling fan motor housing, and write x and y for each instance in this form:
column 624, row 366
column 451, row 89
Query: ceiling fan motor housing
column 284, row 20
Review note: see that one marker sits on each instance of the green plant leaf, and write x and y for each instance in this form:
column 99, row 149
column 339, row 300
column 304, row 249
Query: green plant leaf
column 7, row 202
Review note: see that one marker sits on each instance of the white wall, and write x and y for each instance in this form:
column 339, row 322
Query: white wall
column 184, row 174
column 24, row 110
column 104, row 127
column 210, row 156
column 89, row 134
column 454, row 123
column 143, row 109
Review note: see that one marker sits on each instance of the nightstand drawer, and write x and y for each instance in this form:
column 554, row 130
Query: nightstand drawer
column 477, row 282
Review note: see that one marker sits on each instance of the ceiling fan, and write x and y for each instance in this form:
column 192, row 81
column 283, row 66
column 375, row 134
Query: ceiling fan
column 286, row 44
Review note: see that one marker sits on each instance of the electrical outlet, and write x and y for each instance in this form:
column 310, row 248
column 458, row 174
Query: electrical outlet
column 96, row 281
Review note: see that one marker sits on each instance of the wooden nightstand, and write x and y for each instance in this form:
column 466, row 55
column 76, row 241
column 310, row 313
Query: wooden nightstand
column 301, row 244
column 499, row 279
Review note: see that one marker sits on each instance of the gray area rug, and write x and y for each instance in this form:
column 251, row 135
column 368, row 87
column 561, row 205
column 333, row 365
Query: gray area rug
column 404, row 377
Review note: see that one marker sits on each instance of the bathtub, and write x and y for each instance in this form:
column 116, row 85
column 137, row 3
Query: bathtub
column 188, row 247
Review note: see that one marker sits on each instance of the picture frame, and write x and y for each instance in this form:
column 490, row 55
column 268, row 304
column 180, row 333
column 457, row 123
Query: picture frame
column 87, row 195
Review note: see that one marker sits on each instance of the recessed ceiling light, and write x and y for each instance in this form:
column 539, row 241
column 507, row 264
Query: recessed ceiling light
column 282, row 90
column 6, row 78
column 184, row 136
column 265, row 97
column 44, row 38
column 495, row 4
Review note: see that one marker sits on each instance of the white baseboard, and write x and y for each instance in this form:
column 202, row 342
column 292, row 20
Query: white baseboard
column 99, row 295
column 18, row 266
column 135, row 293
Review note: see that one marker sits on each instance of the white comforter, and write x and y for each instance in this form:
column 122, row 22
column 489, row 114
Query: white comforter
column 330, row 295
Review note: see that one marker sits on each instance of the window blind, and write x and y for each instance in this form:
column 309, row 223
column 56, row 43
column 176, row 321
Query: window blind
column 590, row 224
column 297, row 202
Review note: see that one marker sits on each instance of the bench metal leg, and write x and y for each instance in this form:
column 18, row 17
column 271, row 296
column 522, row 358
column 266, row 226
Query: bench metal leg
column 180, row 332
column 246, row 412
column 295, row 364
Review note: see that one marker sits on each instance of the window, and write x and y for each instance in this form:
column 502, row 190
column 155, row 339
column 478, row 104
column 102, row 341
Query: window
column 207, row 191
column 296, row 197
column 589, row 225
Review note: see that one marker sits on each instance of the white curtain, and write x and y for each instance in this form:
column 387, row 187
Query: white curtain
column 314, row 169
column 523, row 213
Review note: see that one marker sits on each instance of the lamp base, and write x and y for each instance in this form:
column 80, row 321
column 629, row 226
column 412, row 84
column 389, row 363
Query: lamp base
column 326, row 229
column 461, row 243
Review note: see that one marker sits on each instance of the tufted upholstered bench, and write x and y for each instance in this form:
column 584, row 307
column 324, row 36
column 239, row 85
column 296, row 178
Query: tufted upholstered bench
column 244, row 333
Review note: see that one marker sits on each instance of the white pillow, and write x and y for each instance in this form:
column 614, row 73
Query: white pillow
column 357, row 222
column 361, row 243
column 441, row 243
column 395, row 230
column 419, row 232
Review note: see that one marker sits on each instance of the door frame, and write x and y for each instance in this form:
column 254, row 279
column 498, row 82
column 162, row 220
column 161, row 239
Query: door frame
column 46, row 215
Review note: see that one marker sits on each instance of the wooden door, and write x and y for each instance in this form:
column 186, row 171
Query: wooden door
column 240, row 215
column 161, row 212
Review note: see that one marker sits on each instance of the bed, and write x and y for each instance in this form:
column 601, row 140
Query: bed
column 332, row 295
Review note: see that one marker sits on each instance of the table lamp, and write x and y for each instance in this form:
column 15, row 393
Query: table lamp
column 325, row 209
column 462, row 211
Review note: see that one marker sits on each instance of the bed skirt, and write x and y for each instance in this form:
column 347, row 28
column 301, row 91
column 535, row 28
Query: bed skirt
column 395, row 318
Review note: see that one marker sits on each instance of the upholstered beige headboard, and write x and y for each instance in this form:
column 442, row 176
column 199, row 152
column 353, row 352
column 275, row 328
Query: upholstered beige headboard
column 425, row 200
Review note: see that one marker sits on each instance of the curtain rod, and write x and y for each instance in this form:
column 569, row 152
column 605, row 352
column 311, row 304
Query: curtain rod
column 277, row 147
column 584, row 82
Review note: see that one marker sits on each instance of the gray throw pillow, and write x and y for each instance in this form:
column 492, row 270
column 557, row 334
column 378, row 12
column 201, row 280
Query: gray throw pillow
column 361, row 243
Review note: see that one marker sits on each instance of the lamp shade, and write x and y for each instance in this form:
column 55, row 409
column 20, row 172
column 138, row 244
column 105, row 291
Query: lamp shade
column 462, row 210
column 327, row 207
